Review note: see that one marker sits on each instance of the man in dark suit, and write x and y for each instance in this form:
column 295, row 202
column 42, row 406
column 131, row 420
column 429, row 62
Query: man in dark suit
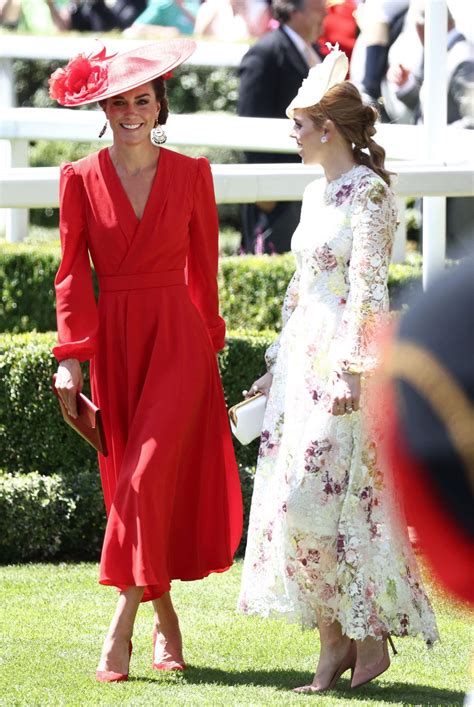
column 270, row 75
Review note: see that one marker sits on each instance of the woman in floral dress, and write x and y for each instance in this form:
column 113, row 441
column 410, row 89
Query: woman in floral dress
column 323, row 548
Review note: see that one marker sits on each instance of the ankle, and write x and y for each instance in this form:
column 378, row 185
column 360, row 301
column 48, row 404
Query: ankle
column 118, row 637
column 335, row 643
column 169, row 623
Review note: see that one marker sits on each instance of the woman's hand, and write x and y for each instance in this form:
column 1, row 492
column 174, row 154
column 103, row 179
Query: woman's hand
column 69, row 382
column 345, row 393
column 262, row 385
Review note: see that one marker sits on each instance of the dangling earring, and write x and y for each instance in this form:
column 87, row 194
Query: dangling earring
column 324, row 138
column 103, row 129
column 158, row 135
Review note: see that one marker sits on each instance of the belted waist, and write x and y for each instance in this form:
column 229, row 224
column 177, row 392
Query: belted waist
column 141, row 281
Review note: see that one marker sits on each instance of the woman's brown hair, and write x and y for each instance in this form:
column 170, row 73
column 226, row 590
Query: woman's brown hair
column 356, row 123
column 159, row 87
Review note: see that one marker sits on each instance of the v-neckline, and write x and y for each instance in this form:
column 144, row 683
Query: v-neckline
column 126, row 201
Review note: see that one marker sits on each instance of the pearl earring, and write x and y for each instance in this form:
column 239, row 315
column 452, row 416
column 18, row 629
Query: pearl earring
column 324, row 139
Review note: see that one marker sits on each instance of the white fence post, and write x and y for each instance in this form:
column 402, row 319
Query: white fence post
column 435, row 118
column 6, row 101
column 399, row 244
column 17, row 220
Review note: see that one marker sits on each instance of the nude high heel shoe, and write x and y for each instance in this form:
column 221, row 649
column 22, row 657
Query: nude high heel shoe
column 364, row 675
column 348, row 662
column 110, row 675
column 166, row 664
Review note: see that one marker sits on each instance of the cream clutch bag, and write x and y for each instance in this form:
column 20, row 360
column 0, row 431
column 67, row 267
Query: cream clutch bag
column 246, row 418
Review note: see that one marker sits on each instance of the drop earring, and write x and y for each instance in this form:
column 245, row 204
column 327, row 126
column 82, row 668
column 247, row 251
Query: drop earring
column 158, row 135
column 103, row 129
column 324, row 139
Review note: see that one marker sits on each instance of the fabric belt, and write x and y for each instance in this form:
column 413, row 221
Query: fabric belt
column 141, row 281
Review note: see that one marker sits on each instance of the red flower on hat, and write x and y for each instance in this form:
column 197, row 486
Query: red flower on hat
column 83, row 77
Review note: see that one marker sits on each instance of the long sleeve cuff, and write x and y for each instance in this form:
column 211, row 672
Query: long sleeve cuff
column 82, row 350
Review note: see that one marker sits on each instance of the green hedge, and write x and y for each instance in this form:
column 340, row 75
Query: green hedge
column 49, row 476
column 251, row 287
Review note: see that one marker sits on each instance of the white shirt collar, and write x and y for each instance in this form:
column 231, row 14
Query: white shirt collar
column 301, row 45
column 296, row 38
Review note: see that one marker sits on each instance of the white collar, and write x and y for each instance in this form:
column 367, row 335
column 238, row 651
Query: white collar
column 297, row 40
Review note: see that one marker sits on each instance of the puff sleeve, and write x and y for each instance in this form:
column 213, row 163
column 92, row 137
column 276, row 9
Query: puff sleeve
column 203, row 254
column 373, row 223
column 76, row 308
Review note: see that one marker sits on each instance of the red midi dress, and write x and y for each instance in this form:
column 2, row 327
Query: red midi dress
column 170, row 482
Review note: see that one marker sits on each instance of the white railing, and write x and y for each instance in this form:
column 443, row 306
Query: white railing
column 38, row 187
column 19, row 126
column 30, row 187
column 401, row 142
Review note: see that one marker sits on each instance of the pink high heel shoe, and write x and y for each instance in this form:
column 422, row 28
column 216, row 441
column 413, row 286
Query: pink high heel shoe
column 348, row 662
column 361, row 676
column 110, row 675
column 166, row 664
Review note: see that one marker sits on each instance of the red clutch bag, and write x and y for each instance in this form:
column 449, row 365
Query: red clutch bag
column 88, row 422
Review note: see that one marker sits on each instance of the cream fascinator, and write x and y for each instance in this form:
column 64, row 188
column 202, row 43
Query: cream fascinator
column 331, row 71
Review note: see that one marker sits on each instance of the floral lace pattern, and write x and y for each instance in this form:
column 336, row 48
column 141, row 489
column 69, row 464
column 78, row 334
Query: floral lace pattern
column 321, row 534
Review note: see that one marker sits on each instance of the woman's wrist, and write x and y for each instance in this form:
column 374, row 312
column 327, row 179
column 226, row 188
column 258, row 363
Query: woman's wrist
column 349, row 369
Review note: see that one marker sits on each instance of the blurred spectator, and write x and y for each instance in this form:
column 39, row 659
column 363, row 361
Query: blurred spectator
column 259, row 17
column 82, row 15
column 270, row 75
column 460, row 85
column 380, row 23
column 10, row 13
column 30, row 15
column 460, row 70
column 48, row 16
column 430, row 425
column 339, row 26
column 223, row 19
column 127, row 11
column 165, row 17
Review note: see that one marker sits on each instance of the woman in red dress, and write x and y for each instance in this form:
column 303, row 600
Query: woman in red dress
column 147, row 217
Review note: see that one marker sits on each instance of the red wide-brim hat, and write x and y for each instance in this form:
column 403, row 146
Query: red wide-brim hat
column 92, row 78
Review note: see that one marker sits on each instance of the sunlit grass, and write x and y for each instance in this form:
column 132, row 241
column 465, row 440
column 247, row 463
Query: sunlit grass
column 53, row 618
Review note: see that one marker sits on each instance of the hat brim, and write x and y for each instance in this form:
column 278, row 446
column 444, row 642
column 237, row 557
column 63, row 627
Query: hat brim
column 138, row 66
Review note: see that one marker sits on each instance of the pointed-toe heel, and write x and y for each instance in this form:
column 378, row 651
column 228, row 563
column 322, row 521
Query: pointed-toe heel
column 110, row 675
column 166, row 664
column 362, row 676
column 348, row 663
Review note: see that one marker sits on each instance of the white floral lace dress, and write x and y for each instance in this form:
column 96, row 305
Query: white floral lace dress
column 320, row 533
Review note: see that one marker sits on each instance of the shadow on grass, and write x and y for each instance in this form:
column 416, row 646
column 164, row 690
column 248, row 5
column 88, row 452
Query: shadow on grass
column 396, row 692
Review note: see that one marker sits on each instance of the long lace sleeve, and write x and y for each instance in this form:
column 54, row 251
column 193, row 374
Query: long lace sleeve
column 76, row 309
column 373, row 223
column 290, row 302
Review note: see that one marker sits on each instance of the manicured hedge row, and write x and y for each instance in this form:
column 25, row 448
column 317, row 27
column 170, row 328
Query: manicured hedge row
column 49, row 476
column 251, row 288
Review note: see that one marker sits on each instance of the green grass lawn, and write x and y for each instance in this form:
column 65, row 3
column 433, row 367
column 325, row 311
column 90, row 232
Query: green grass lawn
column 53, row 619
